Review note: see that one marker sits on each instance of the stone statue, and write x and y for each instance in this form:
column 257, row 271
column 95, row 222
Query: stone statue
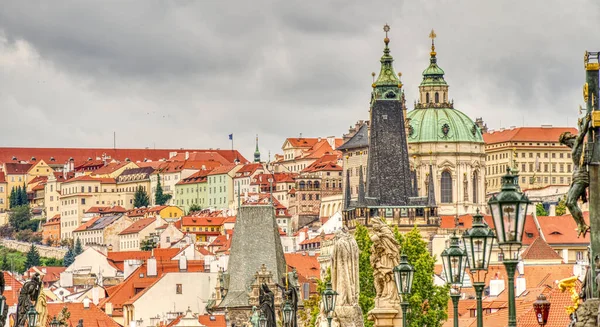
column 254, row 317
column 344, row 269
column 27, row 297
column 580, row 174
column 42, row 310
column 267, row 304
column 384, row 257
column 589, row 280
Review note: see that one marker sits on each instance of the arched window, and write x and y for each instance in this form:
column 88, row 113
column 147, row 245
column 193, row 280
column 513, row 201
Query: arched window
column 302, row 185
column 475, row 187
column 437, row 97
column 446, row 187
column 426, row 97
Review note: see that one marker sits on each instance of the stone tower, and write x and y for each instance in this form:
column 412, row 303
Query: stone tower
column 257, row 152
column 388, row 176
column 255, row 248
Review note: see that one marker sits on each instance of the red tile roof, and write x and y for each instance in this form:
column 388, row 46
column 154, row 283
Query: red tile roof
column 137, row 226
column 197, row 177
column 2, row 177
column 201, row 221
column 50, row 274
column 306, row 265
column 13, row 168
column 139, row 280
column 248, row 169
column 53, row 221
column 557, row 317
column 302, row 142
column 91, row 316
column 110, row 168
column 11, row 293
column 81, row 155
column 540, row 250
column 161, row 255
column 87, row 224
column 212, row 320
column 109, row 209
column 560, row 230
column 222, row 170
column 530, row 230
column 327, row 162
column 202, row 156
column 527, row 134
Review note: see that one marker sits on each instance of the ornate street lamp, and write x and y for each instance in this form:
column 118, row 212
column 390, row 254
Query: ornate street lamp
column 542, row 309
column 509, row 210
column 262, row 321
column 478, row 241
column 329, row 296
column 54, row 322
column 454, row 259
column 287, row 314
column 403, row 275
column 32, row 316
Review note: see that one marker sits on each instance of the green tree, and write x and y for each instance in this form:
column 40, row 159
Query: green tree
column 561, row 207
column 23, row 196
column 18, row 196
column 312, row 308
column 148, row 244
column 141, row 198
column 366, row 298
column 69, row 257
column 13, row 198
column 428, row 303
column 5, row 263
column 194, row 207
column 160, row 198
column 540, row 211
column 33, row 257
column 78, row 249
column 19, row 217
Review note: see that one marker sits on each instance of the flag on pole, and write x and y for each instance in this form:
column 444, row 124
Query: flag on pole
column 231, row 137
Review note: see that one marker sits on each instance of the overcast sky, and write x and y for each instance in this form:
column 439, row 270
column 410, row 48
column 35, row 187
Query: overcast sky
column 175, row 74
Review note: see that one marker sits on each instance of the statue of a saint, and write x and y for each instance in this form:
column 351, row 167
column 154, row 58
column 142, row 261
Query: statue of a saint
column 267, row 304
column 27, row 297
column 384, row 257
column 344, row 269
column 581, row 178
column 254, row 317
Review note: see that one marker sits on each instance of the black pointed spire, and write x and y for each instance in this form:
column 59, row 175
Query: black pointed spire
column 361, row 187
column 347, row 194
column 430, row 189
column 415, row 185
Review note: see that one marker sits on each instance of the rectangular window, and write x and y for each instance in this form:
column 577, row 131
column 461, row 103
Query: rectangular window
column 82, row 201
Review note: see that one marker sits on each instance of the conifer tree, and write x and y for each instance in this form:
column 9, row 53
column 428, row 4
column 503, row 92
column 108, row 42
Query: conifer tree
column 159, row 197
column 366, row 298
column 141, row 198
column 33, row 257
column 13, row 197
column 78, row 249
column 5, row 263
column 18, row 196
column 423, row 289
column 69, row 257
column 24, row 200
column 561, row 207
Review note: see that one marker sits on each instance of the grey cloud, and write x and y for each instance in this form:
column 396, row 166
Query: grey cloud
column 187, row 73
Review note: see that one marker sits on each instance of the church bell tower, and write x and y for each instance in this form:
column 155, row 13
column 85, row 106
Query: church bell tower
column 388, row 176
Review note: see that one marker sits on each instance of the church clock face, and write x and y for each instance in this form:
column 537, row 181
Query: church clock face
column 390, row 95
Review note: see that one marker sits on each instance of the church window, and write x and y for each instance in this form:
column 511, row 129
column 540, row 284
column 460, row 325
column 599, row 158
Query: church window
column 427, row 97
column 446, row 187
column 437, row 97
column 475, row 186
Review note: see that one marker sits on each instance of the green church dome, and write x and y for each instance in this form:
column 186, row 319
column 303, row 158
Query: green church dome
column 441, row 125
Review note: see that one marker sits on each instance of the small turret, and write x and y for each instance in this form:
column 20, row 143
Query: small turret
column 256, row 151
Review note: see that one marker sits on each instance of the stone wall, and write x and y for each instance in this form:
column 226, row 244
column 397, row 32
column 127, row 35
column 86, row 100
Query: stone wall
column 45, row 251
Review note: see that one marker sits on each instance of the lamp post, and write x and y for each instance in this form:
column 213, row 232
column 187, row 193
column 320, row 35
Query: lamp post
column 541, row 307
column 54, row 322
column 509, row 211
column 454, row 259
column 32, row 316
column 403, row 276
column 329, row 296
column 287, row 314
column 262, row 321
column 478, row 241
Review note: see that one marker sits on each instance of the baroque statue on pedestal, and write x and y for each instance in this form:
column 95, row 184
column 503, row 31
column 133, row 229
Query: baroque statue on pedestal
column 384, row 257
column 267, row 304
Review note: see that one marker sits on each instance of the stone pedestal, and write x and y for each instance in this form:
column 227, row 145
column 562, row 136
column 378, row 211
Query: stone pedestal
column 587, row 313
column 386, row 317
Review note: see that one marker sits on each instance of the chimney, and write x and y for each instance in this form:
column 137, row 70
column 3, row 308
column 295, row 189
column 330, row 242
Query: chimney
column 187, row 155
column 496, row 287
column 331, row 141
column 521, row 286
column 151, row 267
column 182, row 263
column 86, row 303
column 95, row 295
column 108, row 308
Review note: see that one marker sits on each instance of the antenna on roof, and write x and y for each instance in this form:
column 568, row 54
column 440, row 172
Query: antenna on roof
column 114, row 140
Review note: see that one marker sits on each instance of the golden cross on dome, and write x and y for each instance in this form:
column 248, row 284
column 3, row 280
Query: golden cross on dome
column 386, row 29
column 432, row 36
